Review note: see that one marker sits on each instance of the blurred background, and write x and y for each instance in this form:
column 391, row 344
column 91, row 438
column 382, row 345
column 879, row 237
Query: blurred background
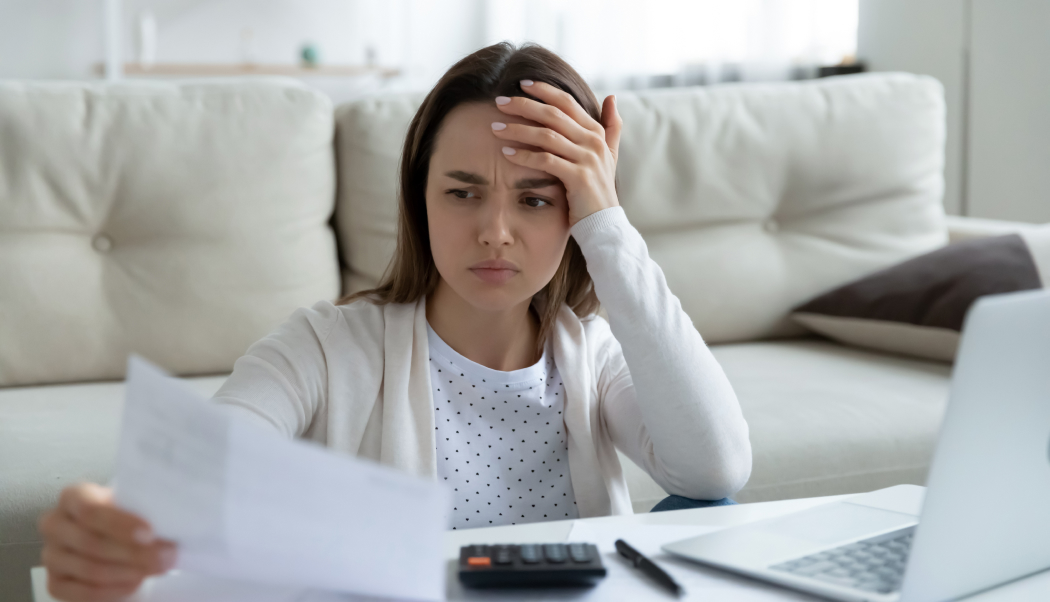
column 987, row 53
column 410, row 43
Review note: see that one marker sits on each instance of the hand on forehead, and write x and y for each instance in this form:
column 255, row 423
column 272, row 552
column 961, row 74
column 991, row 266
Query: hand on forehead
column 465, row 142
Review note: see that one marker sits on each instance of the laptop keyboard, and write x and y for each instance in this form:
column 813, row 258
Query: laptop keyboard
column 874, row 565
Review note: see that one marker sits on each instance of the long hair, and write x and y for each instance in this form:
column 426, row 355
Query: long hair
column 480, row 77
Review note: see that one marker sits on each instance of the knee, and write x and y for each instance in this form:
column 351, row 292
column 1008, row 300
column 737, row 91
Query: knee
column 677, row 502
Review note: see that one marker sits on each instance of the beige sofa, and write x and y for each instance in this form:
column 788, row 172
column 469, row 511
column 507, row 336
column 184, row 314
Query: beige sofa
column 183, row 221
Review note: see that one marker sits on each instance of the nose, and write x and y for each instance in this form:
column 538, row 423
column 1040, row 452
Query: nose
column 494, row 229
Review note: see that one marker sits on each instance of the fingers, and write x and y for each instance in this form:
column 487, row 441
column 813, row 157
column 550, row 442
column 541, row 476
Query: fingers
column 543, row 161
column 94, row 551
column 60, row 530
column 554, row 96
column 67, row 588
column 71, row 565
column 544, row 138
column 91, row 506
column 613, row 124
column 551, row 116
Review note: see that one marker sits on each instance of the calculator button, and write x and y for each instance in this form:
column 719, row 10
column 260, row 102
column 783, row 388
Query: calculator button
column 530, row 553
column 479, row 561
column 579, row 552
column 503, row 556
column 555, row 552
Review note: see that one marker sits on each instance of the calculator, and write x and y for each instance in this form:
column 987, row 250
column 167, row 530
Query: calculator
column 530, row 564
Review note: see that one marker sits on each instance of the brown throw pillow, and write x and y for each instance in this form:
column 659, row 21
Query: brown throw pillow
column 917, row 307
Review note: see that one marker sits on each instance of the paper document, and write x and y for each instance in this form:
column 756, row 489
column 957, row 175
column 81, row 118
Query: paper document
column 180, row 586
column 246, row 503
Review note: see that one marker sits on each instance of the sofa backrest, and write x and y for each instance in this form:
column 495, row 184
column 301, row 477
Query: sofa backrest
column 184, row 221
column 752, row 198
column 179, row 221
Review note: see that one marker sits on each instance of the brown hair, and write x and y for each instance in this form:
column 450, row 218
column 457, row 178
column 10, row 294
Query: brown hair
column 480, row 77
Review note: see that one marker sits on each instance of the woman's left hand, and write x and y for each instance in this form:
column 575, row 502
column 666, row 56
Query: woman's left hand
column 578, row 150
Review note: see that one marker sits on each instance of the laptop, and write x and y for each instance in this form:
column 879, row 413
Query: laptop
column 984, row 520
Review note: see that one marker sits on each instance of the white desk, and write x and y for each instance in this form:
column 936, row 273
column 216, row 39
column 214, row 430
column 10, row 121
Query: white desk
column 1033, row 588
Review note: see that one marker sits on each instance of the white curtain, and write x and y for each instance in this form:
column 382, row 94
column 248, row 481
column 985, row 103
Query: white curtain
column 645, row 43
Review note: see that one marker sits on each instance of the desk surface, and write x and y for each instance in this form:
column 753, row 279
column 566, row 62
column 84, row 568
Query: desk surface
column 1036, row 587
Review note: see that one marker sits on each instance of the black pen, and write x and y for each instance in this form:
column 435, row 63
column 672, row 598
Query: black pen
column 648, row 567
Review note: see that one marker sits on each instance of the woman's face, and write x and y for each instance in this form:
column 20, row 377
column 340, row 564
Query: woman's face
column 481, row 208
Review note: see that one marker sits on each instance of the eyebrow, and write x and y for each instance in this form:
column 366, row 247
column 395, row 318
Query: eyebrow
column 473, row 178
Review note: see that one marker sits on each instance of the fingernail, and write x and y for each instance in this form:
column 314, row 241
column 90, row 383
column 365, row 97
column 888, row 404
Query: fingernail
column 526, row 82
column 502, row 100
column 167, row 558
column 143, row 535
column 508, row 150
column 497, row 125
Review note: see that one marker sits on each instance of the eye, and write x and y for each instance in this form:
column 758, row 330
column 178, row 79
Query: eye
column 529, row 199
column 458, row 193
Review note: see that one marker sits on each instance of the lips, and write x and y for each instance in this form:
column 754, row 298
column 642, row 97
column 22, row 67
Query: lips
column 494, row 271
column 494, row 264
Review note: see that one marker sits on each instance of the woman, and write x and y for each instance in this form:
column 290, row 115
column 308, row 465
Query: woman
column 479, row 360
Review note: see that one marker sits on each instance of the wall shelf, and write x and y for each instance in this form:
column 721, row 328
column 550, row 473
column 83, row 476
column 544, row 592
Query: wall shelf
column 222, row 70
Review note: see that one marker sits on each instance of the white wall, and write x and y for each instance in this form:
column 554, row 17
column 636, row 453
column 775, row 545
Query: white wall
column 928, row 37
column 63, row 38
column 991, row 57
column 52, row 39
column 1009, row 175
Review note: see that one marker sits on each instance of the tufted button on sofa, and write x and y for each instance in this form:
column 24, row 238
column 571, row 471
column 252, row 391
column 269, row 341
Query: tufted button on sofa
column 184, row 221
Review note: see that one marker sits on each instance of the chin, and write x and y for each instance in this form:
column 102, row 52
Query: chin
column 493, row 298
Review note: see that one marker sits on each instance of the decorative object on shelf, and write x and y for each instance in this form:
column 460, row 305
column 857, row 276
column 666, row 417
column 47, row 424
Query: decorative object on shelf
column 848, row 65
column 147, row 39
column 309, row 55
column 228, row 69
column 248, row 53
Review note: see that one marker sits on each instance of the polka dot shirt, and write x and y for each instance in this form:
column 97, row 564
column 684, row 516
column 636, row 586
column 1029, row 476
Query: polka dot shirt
column 501, row 442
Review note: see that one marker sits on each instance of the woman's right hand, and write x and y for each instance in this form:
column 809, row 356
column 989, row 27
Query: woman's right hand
column 95, row 551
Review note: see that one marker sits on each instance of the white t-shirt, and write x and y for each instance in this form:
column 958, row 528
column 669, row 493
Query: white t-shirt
column 500, row 440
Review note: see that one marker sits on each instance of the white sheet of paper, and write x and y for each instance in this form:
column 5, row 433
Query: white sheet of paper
column 182, row 586
column 246, row 504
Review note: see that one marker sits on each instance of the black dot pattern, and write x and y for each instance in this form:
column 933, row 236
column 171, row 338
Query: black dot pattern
column 500, row 440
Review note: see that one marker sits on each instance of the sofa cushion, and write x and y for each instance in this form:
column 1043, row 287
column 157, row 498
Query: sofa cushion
column 368, row 140
column 55, row 436
column 918, row 307
column 751, row 197
column 182, row 221
column 826, row 419
column 813, row 430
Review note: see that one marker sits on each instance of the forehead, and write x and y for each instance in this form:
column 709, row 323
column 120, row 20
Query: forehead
column 465, row 140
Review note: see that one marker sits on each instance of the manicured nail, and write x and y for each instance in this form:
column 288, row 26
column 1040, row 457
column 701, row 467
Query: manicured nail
column 167, row 558
column 508, row 150
column 526, row 82
column 502, row 100
column 143, row 535
column 497, row 125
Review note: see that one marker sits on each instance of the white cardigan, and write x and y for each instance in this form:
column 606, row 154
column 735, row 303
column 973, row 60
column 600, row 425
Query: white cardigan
column 356, row 379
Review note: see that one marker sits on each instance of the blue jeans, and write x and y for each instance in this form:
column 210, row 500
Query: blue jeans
column 677, row 502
